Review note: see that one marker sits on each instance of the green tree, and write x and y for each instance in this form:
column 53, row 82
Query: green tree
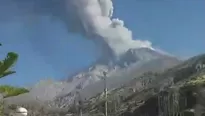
column 5, row 69
column 7, row 63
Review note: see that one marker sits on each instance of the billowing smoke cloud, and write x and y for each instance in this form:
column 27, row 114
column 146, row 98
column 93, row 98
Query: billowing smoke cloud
column 92, row 18
column 95, row 17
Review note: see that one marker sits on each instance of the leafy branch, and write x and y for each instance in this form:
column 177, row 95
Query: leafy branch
column 7, row 63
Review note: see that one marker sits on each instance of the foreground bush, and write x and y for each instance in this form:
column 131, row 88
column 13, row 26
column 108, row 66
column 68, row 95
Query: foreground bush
column 12, row 91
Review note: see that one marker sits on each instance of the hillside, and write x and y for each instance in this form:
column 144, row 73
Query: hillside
column 166, row 93
column 183, row 78
column 90, row 81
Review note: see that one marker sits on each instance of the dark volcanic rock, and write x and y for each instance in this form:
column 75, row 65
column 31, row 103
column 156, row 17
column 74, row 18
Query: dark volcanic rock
column 150, row 108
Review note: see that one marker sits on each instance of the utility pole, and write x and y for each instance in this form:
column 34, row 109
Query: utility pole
column 80, row 104
column 105, row 90
column 80, row 108
column 81, row 112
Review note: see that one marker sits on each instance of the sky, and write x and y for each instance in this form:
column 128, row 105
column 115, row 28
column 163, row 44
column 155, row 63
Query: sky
column 47, row 50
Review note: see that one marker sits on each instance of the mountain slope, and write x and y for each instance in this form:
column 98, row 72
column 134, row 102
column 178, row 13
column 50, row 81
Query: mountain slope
column 89, row 82
column 133, row 63
column 170, row 79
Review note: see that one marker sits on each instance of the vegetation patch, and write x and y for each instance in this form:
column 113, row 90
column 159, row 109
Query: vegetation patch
column 194, row 83
column 12, row 91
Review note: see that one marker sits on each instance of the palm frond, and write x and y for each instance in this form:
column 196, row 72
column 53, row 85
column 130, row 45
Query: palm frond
column 8, row 62
column 7, row 73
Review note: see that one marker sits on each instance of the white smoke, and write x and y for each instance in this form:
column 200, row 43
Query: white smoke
column 96, row 19
column 92, row 18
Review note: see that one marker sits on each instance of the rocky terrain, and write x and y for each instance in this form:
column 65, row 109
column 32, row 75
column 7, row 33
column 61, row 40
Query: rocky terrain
column 89, row 82
column 176, row 91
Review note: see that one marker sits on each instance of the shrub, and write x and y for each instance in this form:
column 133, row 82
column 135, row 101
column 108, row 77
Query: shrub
column 12, row 91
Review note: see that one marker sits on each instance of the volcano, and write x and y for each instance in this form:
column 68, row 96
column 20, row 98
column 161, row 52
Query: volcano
column 89, row 82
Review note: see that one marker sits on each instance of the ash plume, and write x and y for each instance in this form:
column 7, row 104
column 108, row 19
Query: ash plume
column 91, row 18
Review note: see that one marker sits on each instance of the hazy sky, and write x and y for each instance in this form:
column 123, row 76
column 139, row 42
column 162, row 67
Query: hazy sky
column 47, row 50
